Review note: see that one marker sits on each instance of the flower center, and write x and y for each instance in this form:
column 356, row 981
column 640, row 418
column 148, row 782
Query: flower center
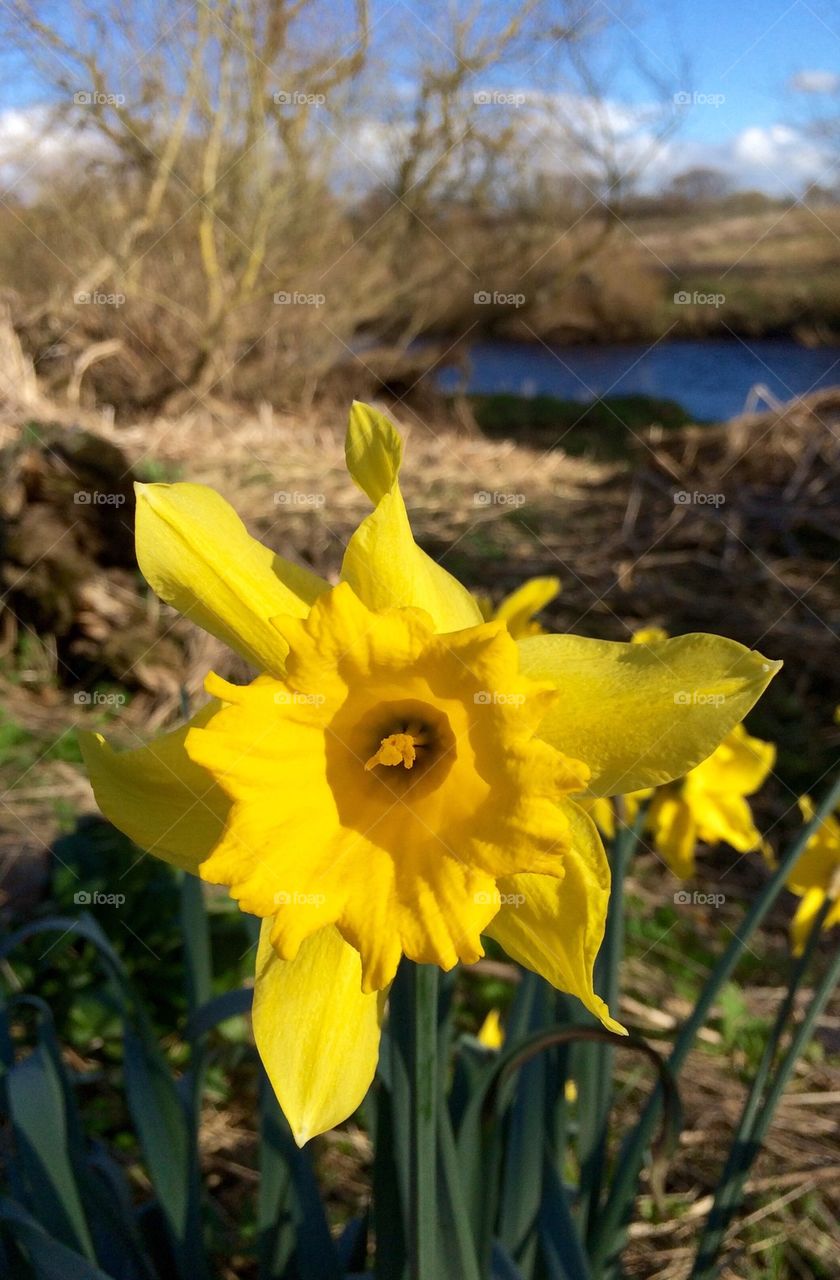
column 400, row 748
column 389, row 748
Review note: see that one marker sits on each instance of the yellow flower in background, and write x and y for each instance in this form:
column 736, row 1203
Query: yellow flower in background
column 519, row 609
column 710, row 803
column 491, row 1032
column 601, row 810
column 815, row 877
column 649, row 635
column 399, row 779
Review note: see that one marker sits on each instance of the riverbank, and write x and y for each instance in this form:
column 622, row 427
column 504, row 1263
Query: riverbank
column 531, row 277
column 710, row 271
column 711, row 380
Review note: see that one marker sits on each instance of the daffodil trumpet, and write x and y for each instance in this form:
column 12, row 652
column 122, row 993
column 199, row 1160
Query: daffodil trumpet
column 402, row 778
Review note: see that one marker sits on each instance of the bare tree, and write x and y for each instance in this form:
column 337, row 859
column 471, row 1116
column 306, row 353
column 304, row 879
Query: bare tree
column 253, row 186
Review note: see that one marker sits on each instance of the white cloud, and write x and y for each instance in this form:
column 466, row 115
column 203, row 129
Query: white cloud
column 35, row 145
column 778, row 158
column 815, row 81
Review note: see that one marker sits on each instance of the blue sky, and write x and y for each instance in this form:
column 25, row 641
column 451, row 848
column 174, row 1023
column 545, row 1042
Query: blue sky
column 740, row 60
column 771, row 61
column 749, row 50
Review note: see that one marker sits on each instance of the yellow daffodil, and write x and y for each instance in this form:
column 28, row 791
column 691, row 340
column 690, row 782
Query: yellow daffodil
column 649, row 635
column 398, row 779
column 602, row 810
column 710, row 803
column 815, row 877
column 491, row 1033
column 519, row 609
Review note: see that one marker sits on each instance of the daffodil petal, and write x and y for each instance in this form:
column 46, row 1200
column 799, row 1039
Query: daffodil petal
column 555, row 927
column 601, row 811
column 643, row 714
column 739, row 766
column 804, row 918
column 372, row 451
column 519, row 608
column 728, row 818
column 819, row 862
column 674, row 832
column 157, row 796
column 649, row 635
column 197, row 555
column 491, row 1032
column 317, row 1034
column 383, row 563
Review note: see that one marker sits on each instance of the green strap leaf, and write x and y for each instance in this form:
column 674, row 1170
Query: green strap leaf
column 502, row 1266
column 49, row 1258
column 39, row 1123
column 561, row 1248
column 525, row 1134
column 291, row 1219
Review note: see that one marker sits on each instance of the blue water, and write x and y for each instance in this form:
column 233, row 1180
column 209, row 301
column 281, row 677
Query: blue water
column 711, row 379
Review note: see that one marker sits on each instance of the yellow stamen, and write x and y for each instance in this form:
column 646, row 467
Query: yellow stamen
column 397, row 748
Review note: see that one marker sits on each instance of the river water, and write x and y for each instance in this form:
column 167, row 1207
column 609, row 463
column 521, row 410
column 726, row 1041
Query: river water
column 713, row 379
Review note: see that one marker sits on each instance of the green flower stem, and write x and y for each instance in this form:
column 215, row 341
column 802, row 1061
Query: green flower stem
column 623, row 1190
column 601, row 1057
column 424, row 1084
column 759, row 1107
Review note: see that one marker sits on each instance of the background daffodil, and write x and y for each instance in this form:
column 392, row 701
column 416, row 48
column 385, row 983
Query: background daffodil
column 710, row 803
column 491, row 1033
column 400, row 778
column 815, row 877
column 519, row 609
